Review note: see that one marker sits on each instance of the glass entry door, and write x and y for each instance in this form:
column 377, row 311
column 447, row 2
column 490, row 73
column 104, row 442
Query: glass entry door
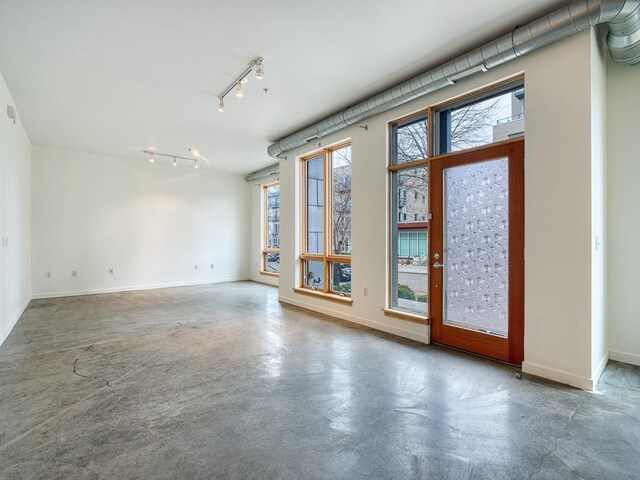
column 477, row 251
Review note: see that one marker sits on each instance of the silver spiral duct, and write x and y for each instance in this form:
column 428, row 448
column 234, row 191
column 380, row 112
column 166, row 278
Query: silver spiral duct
column 622, row 17
column 263, row 173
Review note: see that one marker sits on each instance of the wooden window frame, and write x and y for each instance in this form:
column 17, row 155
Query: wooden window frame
column 265, row 231
column 328, row 258
column 431, row 114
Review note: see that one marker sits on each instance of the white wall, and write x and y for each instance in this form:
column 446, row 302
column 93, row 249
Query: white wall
column 15, row 217
column 623, row 189
column 558, row 202
column 151, row 223
column 257, row 232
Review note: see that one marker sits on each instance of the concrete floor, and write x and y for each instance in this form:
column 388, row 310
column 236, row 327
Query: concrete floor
column 222, row 381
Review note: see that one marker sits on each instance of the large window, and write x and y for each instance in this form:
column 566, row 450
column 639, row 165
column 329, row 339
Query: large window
column 479, row 119
column 326, row 219
column 409, row 216
column 271, row 222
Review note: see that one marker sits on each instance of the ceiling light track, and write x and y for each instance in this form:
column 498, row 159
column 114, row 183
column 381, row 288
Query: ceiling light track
column 255, row 64
column 174, row 158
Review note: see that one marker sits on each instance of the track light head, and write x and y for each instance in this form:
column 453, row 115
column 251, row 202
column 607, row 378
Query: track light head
column 195, row 165
column 221, row 105
column 259, row 70
column 175, row 162
column 151, row 158
column 239, row 90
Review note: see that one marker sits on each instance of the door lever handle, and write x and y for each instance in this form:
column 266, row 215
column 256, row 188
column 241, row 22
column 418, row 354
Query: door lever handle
column 437, row 265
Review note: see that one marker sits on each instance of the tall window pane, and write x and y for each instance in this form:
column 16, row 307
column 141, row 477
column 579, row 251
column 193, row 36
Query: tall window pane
column 273, row 216
column 482, row 122
column 315, row 205
column 410, row 141
column 409, row 282
column 341, row 201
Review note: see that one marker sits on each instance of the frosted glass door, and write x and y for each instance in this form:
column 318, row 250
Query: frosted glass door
column 476, row 246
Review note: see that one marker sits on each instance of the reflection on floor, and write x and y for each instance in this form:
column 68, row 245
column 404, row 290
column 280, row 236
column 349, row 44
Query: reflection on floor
column 222, row 381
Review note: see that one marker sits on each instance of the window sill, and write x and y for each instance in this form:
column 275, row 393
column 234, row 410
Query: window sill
column 271, row 274
column 411, row 317
column 326, row 296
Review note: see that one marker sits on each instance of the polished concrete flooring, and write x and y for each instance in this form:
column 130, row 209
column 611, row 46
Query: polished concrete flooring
column 222, row 381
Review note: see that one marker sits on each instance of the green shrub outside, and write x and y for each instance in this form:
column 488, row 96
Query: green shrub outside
column 405, row 292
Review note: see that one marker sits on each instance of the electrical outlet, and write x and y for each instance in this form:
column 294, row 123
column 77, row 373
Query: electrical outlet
column 196, row 266
column 366, row 291
column 74, row 273
column 111, row 271
column 47, row 274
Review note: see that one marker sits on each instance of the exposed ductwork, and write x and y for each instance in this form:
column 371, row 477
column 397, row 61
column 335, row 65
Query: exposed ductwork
column 263, row 173
column 622, row 17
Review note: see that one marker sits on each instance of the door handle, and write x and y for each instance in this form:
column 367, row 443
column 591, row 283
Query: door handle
column 437, row 265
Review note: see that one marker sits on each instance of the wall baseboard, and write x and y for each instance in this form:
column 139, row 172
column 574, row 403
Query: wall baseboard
column 5, row 333
column 401, row 332
column 137, row 287
column 600, row 368
column 265, row 280
column 625, row 357
column 560, row 376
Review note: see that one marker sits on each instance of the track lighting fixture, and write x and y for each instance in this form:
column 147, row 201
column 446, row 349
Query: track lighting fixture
column 255, row 65
column 175, row 158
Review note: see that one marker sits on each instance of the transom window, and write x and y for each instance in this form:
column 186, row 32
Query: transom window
column 326, row 219
column 271, row 234
column 482, row 119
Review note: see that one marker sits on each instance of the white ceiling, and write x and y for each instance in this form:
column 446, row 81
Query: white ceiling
column 120, row 76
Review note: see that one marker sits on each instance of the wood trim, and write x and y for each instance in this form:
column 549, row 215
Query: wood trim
column 312, row 257
column 271, row 274
column 411, row 317
column 423, row 162
column 478, row 149
column 414, row 226
column 265, row 229
column 338, row 258
column 325, row 295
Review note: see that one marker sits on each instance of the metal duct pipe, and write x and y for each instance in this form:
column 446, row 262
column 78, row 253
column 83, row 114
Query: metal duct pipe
column 263, row 173
column 622, row 17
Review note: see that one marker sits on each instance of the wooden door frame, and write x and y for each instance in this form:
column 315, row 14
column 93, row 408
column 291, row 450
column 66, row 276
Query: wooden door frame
column 509, row 349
